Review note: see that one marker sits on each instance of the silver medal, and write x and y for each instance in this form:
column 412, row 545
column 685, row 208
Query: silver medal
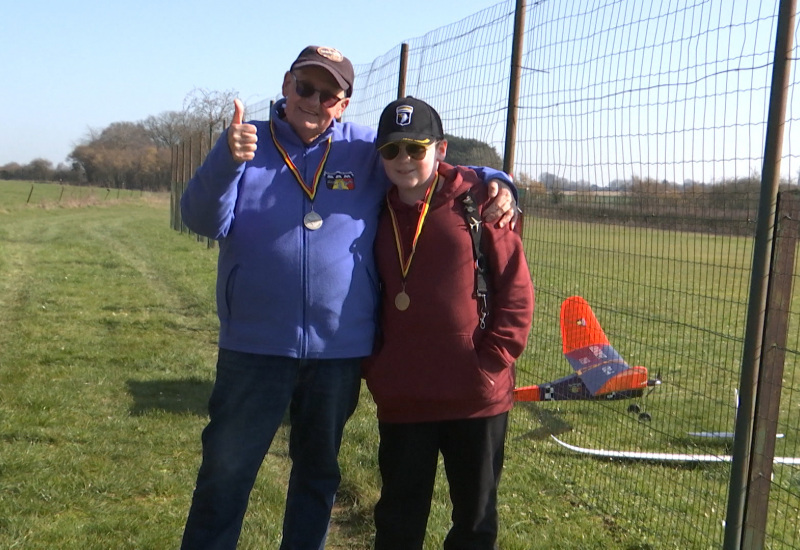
column 312, row 221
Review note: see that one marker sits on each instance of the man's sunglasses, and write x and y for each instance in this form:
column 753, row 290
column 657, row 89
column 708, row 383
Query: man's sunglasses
column 326, row 98
column 391, row 150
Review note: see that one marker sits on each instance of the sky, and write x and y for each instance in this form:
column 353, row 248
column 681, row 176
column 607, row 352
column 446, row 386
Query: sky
column 68, row 67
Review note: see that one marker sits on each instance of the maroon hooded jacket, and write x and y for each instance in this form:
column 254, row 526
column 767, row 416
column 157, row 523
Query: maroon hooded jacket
column 433, row 361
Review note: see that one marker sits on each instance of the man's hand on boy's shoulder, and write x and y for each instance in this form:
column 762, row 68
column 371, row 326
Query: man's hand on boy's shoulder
column 503, row 208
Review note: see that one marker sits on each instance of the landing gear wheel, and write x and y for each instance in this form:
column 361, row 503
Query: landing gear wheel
column 634, row 408
column 645, row 417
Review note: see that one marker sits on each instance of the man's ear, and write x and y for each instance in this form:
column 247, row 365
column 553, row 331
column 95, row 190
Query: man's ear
column 288, row 81
column 340, row 107
column 441, row 150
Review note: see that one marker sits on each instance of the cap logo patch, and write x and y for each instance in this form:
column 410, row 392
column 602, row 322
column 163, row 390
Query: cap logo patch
column 404, row 113
column 330, row 53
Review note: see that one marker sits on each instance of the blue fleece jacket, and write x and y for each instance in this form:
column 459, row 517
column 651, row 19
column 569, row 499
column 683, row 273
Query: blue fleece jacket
column 283, row 289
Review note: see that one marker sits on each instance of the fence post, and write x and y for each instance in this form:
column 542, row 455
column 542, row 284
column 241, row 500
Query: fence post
column 182, row 177
column 762, row 254
column 768, row 394
column 172, row 187
column 194, row 165
column 401, row 79
column 176, row 186
column 513, row 87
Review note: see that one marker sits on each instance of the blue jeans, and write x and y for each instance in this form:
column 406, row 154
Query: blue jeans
column 250, row 397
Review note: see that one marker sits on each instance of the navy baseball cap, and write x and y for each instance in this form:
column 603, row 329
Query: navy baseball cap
column 411, row 120
column 332, row 61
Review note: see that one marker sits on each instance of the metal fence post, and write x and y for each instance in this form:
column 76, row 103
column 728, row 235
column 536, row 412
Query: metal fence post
column 752, row 353
column 172, row 187
column 513, row 87
column 401, row 78
column 768, row 394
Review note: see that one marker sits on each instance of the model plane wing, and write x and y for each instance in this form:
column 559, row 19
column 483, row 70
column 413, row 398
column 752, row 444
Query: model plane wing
column 663, row 457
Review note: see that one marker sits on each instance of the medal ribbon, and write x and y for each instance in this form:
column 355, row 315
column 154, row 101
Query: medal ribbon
column 310, row 191
column 405, row 264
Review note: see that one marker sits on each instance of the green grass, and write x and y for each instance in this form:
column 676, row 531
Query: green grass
column 22, row 194
column 107, row 351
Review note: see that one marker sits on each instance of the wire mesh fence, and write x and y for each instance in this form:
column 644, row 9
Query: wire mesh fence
column 639, row 149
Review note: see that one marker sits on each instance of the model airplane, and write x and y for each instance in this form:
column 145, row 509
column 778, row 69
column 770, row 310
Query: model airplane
column 600, row 372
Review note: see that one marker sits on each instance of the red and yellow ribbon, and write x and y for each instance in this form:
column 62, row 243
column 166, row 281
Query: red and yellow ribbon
column 405, row 263
column 310, row 191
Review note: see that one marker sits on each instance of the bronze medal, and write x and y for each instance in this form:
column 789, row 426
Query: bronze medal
column 312, row 221
column 402, row 301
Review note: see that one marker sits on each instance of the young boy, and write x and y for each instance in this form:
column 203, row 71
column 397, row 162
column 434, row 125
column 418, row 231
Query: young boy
column 442, row 375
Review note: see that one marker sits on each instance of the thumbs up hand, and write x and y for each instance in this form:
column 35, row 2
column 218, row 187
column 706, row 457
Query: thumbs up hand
column 242, row 138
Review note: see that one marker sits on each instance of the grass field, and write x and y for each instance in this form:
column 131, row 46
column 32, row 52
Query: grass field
column 107, row 350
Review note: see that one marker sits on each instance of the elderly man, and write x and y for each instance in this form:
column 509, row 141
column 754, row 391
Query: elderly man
column 294, row 202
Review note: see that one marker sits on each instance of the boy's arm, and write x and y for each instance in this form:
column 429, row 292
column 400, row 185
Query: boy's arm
column 510, row 298
column 208, row 202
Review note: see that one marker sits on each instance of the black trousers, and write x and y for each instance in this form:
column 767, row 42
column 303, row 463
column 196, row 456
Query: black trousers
column 473, row 460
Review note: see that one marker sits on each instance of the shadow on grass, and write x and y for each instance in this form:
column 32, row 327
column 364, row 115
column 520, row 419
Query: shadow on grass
column 174, row 396
column 551, row 423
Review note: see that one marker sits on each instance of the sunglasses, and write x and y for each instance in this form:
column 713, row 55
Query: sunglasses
column 326, row 98
column 414, row 151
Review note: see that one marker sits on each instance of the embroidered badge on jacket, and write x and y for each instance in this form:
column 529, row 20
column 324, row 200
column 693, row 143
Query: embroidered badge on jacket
column 345, row 181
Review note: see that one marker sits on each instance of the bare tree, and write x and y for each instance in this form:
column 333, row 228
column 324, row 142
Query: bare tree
column 213, row 108
column 167, row 129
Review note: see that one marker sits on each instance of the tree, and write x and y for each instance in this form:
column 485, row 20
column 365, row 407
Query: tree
column 525, row 181
column 137, row 155
column 10, row 171
column 551, row 181
column 36, row 170
column 209, row 109
column 471, row 152
column 170, row 128
column 123, row 155
column 40, row 169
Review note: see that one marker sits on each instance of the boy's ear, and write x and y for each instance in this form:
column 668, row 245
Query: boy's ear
column 441, row 150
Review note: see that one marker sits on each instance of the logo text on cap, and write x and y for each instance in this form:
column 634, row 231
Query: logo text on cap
column 330, row 53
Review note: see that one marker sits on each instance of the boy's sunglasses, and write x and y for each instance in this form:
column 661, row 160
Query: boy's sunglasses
column 391, row 150
column 326, row 98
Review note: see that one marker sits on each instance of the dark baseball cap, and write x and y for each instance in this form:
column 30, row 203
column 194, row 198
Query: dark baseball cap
column 409, row 119
column 331, row 60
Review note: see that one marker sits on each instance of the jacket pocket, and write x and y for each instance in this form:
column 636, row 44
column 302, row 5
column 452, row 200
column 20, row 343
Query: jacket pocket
column 430, row 370
column 230, row 285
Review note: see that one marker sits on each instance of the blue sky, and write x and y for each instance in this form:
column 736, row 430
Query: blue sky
column 70, row 66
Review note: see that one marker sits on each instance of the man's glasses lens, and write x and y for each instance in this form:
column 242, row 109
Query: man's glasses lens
column 326, row 98
column 391, row 150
